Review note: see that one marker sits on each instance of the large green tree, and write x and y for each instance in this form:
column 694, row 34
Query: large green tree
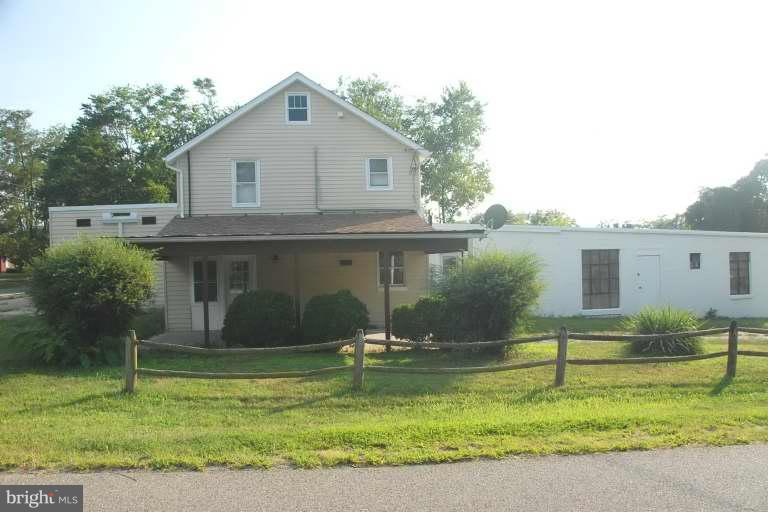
column 24, row 153
column 740, row 207
column 453, row 178
column 113, row 153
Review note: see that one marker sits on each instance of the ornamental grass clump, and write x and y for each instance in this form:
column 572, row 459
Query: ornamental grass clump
column 665, row 320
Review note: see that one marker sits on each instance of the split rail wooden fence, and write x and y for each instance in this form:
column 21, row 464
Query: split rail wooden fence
column 132, row 370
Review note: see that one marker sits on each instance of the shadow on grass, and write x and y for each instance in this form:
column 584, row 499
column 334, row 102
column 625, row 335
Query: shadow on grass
column 70, row 403
column 721, row 386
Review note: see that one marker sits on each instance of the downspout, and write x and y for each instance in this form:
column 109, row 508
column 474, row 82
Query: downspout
column 189, row 184
column 317, row 183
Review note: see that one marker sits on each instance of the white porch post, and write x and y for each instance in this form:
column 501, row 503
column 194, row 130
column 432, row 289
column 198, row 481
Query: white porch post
column 387, row 310
column 206, row 319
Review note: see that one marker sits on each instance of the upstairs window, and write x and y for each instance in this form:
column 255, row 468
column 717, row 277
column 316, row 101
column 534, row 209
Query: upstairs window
column 739, row 262
column 297, row 108
column 378, row 173
column 246, row 178
column 396, row 269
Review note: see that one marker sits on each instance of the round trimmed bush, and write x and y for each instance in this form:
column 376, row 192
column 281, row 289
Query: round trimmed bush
column 663, row 321
column 422, row 321
column 260, row 318
column 88, row 291
column 333, row 316
column 489, row 296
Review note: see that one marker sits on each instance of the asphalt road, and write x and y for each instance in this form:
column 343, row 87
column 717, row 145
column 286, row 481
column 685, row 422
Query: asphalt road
column 686, row 479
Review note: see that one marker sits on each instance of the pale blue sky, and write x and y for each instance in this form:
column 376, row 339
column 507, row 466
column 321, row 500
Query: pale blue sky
column 607, row 110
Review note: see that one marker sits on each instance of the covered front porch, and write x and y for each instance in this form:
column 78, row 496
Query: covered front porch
column 204, row 274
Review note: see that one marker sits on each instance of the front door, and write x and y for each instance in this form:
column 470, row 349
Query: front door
column 215, row 301
column 648, row 279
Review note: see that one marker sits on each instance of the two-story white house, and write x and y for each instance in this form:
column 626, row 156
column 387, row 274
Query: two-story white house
column 298, row 191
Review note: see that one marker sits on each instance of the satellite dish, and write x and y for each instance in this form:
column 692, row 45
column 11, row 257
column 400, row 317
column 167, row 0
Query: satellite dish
column 495, row 216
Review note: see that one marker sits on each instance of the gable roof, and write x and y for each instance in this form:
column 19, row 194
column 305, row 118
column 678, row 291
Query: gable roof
column 296, row 77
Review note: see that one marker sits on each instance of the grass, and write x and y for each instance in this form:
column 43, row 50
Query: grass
column 541, row 324
column 79, row 419
column 13, row 282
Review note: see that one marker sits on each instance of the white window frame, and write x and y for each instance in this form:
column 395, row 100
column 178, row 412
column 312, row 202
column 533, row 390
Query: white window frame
column 257, row 204
column 403, row 286
column 367, row 171
column 309, row 107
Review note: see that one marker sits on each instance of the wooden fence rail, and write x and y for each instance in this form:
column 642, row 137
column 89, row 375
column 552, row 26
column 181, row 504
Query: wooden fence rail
column 132, row 370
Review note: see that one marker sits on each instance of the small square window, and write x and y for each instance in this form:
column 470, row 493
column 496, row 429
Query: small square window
column 695, row 260
column 297, row 108
column 83, row 223
column 149, row 220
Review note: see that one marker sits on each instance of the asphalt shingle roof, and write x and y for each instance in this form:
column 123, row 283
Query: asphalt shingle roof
column 300, row 224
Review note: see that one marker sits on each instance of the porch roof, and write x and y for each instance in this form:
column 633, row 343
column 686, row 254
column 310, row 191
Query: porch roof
column 310, row 226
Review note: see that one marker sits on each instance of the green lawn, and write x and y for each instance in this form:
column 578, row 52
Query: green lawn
column 541, row 324
column 80, row 419
column 12, row 282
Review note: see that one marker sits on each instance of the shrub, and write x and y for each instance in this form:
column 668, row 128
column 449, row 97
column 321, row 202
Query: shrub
column 423, row 320
column 333, row 316
column 260, row 318
column 488, row 296
column 88, row 291
column 662, row 321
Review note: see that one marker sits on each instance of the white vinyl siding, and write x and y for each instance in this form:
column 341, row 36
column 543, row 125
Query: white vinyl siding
column 287, row 163
column 63, row 223
column 246, row 188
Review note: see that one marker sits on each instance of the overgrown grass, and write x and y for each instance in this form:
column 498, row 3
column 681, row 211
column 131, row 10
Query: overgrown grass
column 80, row 419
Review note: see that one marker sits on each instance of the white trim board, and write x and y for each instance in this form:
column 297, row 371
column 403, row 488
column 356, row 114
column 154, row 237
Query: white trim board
column 101, row 207
column 295, row 77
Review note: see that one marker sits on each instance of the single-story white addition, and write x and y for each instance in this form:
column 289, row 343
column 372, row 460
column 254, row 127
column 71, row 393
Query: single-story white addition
column 618, row 271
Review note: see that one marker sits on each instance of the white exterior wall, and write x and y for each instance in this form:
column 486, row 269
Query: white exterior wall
column 678, row 285
column 286, row 155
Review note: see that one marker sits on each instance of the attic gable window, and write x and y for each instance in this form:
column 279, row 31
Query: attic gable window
column 297, row 108
column 246, row 183
column 378, row 173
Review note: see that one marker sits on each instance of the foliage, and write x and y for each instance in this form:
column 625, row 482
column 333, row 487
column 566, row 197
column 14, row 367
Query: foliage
column 537, row 218
column 422, row 320
column 740, row 207
column 23, row 160
column 149, row 322
column 662, row 321
column 333, row 316
column 666, row 222
column 89, row 290
column 375, row 97
column 114, row 152
column 260, row 318
column 450, row 128
column 489, row 295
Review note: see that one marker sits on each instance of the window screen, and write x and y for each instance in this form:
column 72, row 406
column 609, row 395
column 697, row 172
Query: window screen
column 600, row 278
column 739, row 262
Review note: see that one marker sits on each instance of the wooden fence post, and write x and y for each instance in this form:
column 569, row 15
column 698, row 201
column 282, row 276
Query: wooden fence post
column 357, row 375
column 733, row 347
column 131, row 361
column 562, row 353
